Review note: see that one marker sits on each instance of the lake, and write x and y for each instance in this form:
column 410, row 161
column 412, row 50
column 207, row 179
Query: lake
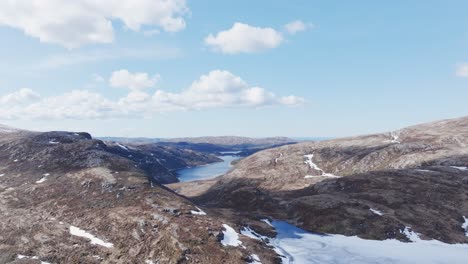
column 208, row 171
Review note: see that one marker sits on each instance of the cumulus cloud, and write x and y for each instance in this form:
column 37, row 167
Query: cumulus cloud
column 134, row 81
column 75, row 23
column 216, row 89
column 462, row 70
column 243, row 38
column 296, row 26
column 21, row 96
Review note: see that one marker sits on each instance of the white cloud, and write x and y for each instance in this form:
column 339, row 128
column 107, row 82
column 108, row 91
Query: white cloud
column 296, row 26
column 133, row 81
column 21, row 96
column 462, row 70
column 243, row 38
column 75, row 23
column 217, row 89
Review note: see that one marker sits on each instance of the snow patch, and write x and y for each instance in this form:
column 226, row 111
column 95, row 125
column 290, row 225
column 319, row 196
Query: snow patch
column 266, row 221
column 255, row 258
column 53, row 142
column 43, row 178
column 75, row 231
column 394, row 139
column 248, row 232
column 424, row 170
column 411, row 235
column 199, row 212
column 122, row 146
column 1, row 175
column 465, row 225
column 314, row 166
column 460, row 168
column 377, row 212
column 28, row 257
column 231, row 237
column 278, row 158
column 15, row 160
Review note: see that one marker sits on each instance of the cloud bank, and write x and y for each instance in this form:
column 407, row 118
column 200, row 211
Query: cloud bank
column 217, row 89
column 79, row 22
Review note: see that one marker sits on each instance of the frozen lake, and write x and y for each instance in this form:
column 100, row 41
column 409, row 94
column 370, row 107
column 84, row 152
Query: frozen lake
column 299, row 246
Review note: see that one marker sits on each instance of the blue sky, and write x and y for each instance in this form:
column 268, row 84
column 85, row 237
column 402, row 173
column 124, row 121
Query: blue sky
column 352, row 67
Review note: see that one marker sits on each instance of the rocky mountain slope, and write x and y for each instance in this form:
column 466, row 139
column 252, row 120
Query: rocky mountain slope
column 68, row 198
column 375, row 186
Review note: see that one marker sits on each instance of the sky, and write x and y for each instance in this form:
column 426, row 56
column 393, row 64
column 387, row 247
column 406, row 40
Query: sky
column 173, row 68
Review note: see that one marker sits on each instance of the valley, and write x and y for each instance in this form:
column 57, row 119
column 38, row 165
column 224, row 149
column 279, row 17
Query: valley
column 67, row 197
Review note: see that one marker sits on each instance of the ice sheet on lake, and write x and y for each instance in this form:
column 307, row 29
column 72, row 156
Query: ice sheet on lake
column 306, row 247
column 94, row 240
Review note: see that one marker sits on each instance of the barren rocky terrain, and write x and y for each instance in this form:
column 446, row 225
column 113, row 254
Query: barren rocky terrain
column 68, row 198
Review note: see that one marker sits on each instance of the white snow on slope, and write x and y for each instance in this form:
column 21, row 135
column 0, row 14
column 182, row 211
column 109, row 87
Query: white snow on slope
column 278, row 158
column 27, row 257
column 93, row 240
column 411, row 235
column 43, row 178
column 459, row 168
column 231, row 237
column 377, row 212
column 122, row 146
column 199, row 212
column 465, row 225
column 1, row 175
column 255, row 258
column 314, row 166
column 394, row 138
column 248, row 232
column 305, row 247
column 53, row 142
column 267, row 222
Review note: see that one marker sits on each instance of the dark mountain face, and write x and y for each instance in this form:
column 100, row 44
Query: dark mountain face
column 415, row 176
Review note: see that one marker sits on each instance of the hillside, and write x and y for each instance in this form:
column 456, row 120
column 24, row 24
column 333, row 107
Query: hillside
column 68, row 198
column 417, row 176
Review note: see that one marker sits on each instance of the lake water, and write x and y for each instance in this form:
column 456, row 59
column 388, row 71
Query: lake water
column 206, row 172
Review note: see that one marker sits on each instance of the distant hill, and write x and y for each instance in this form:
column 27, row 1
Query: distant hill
column 416, row 178
column 234, row 140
